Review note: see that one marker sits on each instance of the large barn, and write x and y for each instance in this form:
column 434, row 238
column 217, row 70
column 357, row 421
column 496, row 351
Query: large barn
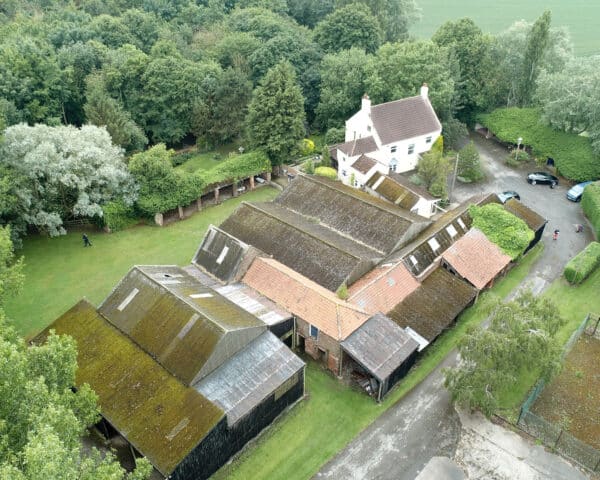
column 186, row 376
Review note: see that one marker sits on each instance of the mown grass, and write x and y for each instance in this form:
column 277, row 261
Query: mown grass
column 579, row 16
column 207, row 160
column 59, row 271
column 301, row 442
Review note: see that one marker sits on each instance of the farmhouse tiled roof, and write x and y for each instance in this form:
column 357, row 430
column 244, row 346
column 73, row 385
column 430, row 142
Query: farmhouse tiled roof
column 363, row 164
column 358, row 146
column 433, row 306
column 304, row 298
column 476, row 258
column 403, row 119
column 383, row 288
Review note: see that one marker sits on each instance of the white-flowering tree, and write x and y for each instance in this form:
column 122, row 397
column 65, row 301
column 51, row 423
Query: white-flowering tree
column 64, row 172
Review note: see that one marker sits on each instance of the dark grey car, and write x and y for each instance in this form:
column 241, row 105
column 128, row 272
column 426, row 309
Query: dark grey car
column 542, row 177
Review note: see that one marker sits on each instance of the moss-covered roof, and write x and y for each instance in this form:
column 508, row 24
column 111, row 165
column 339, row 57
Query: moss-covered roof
column 396, row 193
column 189, row 328
column 530, row 217
column 317, row 252
column 433, row 306
column 358, row 215
column 160, row 416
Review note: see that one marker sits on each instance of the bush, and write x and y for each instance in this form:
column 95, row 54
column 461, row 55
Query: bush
column 335, row 135
column 503, row 228
column 572, row 154
column 326, row 172
column 514, row 159
column 306, row 147
column 308, row 167
column 325, row 157
column 583, row 264
column 118, row 216
column 590, row 203
column 454, row 131
column 180, row 158
column 236, row 167
column 469, row 166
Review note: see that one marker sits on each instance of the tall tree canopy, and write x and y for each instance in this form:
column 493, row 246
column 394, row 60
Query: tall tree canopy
column 64, row 172
column 275, row 120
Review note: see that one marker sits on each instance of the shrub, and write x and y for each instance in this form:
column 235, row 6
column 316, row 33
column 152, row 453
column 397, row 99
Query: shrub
column 118, row 216
column 237, row 166
column 308, row 167
column 572, row 154
column 469, row 166
column 583, row 264
column 590, row 203
column 335, row 135
column 454, row 131
column 180, row 158
column 325, row 157
column 306, row 147
column 326, row 172
column 503, row 228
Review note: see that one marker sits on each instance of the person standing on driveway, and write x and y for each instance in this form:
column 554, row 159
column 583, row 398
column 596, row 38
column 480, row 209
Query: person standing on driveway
column 555, row 234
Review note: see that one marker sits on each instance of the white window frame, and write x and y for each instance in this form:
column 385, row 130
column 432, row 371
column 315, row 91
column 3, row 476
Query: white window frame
column 411, row 149
column 428, row 139
column 434, row 244
column 461, row 223
column 451, row 231
column 393, row 148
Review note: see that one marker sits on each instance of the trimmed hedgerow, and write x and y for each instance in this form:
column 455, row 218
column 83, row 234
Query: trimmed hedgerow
column 572, row 154
column 590, row 203
column 326, row 172
column 583, row 264
column 118, row 216
column 503, row 228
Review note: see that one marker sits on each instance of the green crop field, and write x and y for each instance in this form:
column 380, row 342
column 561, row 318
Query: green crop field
column 581, row 17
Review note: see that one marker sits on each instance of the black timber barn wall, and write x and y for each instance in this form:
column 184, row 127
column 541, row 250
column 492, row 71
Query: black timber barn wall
column 280, row 329
column 536, row 238
column 399, row 373
column 223, row 442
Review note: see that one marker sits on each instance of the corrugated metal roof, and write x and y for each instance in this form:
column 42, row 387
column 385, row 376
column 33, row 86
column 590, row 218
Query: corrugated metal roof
column 189, row 328
column 380, row 346
column 157, row 414
column 253, row 374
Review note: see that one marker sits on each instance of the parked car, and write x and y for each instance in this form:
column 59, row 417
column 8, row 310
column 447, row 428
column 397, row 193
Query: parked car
column 576, row 191
column 506, row 196
column 542, row 177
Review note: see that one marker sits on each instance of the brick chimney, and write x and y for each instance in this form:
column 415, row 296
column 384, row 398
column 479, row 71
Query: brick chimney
column 424, row 91
column 366, row 104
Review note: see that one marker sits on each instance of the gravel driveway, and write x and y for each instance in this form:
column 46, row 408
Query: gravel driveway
column 424, row 424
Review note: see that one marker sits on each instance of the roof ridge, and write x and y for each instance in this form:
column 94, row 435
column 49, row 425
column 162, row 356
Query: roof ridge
column 396, row 101
column 325, row 241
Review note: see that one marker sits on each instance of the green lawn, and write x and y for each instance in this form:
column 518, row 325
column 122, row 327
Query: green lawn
column 579, row 16
column 208, row 160
column 59, row 271
column 299, row 443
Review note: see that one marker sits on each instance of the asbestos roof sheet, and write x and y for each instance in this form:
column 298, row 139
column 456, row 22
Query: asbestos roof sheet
column 160, row 416
column 383, row 288
column 403, row 119
column 358, row 215
column 304, row 298
column 316, row 251
column 358, row 146
column 433, row 306
column 189, row 328
column 476, row 258
column 380, row 346
column 529, row 216
column 220, row 254
column 242, row 383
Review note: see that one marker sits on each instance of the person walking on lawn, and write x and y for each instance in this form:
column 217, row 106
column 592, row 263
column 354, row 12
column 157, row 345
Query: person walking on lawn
column 86, row 241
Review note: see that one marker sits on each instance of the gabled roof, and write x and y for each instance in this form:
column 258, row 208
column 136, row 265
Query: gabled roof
column 433, row 306
column 251, row 376
column 222, row 255
column 383, row 288
column 380, row 346
column 190, row 329
column 531, row 218
column 160, row 416
column 358, row 146
column 304, row 298
column 322, row 254
column 475, row 258
column 357, row 215
column 404, row 119
column 364, row 164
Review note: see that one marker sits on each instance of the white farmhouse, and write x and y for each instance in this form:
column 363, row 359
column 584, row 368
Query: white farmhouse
column 386, row 138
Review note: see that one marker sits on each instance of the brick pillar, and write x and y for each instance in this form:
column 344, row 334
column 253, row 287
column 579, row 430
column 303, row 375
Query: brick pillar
column 199, row 204
column 234, row 188
column 252, row 182
column 268, row 176
column 158, row 219
column 180, row 212
column 217, row 195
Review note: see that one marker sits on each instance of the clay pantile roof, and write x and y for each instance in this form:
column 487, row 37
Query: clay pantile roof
column 475, row 258
column 358, row 215
column 404, row 119
column 363, row 164
column 380, row 346
column 358, row 146
column 304, row 298
column 383, row 288
column 531, row 218
column 433, row 306
column 160, row 416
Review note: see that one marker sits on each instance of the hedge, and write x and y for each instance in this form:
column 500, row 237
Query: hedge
column 583, row 264
column 326, row 172
column 236, row 167
column 572, row 154
column 590, row 203
column 118, row 216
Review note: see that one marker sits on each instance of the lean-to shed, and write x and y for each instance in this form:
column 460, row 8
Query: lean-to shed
column 533, row 220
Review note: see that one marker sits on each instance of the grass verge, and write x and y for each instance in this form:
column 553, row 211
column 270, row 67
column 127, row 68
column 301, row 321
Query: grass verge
column 301, row 442
column 59, row 271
